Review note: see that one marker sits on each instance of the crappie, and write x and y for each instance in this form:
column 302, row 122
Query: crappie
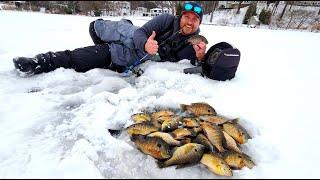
column 199, row 109
column 141, row 128
column 196, row 39
column 153, row 146
column 186, row 154
column 216, row 164
column 236, row 131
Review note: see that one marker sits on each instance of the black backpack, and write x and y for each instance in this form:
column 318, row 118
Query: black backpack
column 220, row 63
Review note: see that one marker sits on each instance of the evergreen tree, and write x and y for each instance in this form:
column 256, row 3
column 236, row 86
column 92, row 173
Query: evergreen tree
column 264, row 16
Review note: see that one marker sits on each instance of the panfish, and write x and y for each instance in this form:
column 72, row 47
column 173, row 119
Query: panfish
column 181, row 133
column 213, row 119
column 231, row 143
column 171, row 124
column 199, row 109
column 196, row 39
column 162, row 113
column 143, row 128
column 166, row 137
column 140, row 117
column 190, row 122
column 238, row 160
column 236, row 131
column 202, row 139
column 214, row 134
column 216, row 164
column 153, row 146
column 186, row 154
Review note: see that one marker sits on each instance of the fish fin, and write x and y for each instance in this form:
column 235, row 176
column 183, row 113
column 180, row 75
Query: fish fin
column 235, row 121
column 183, row 106
column 185, row 165
column 161, row 164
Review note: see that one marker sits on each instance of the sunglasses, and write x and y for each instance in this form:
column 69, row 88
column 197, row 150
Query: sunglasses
column 189, row 7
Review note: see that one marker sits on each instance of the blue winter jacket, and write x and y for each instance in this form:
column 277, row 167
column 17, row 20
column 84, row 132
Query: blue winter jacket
column 126, row 41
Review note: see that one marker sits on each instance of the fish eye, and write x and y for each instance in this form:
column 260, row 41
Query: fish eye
column 208, row 110
column 159, row 145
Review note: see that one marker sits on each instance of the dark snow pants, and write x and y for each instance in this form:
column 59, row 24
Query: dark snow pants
column 80, row 59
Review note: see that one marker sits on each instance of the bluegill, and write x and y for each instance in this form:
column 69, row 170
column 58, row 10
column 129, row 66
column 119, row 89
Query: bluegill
column 190, row 122
column 199, row 109
column 141, row 128
column 196, row 39
column 202, row 139
column 166, row 137
column 186, row 154
column 153, row 146
column 236, row 131
column 214, row 119
column 231, row 143
column 214, row 134
column 216, row 164
column 140, row 117
column 171, row 124
column 162, row 113
column 238, row 160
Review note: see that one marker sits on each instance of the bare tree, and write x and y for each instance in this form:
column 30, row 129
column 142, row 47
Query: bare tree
column 172, row 5
column 214, row 6
column 275, row 7
column 239, row 6
column 284, row 10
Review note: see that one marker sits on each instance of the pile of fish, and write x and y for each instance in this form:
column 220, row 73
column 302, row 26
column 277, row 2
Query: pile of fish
column 192, row 134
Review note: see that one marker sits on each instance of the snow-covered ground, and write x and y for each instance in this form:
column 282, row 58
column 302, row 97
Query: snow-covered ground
column 54, row 125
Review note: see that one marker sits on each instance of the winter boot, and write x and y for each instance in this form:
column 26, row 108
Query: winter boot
column 25, row 65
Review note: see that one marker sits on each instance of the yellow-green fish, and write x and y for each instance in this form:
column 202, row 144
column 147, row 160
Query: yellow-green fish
column 190, row 122
column 214, row 134
column 202, row 139
column 213, row 119
column 171, row 124
column 166, row 137
column 181, row 133
column 199, row 109
column 186, row 154
column 238, row 160
column 153, row 146
column 231, row 143
column 140, row 117
column 216, row 164
column 236, row 131
column 141, row 128
column 162, row 113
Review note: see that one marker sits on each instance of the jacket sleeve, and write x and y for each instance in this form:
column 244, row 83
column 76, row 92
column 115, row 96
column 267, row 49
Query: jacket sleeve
column 159, row 24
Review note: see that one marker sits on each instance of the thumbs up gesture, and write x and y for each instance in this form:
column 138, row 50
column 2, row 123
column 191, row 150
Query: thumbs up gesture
column 151, row 45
